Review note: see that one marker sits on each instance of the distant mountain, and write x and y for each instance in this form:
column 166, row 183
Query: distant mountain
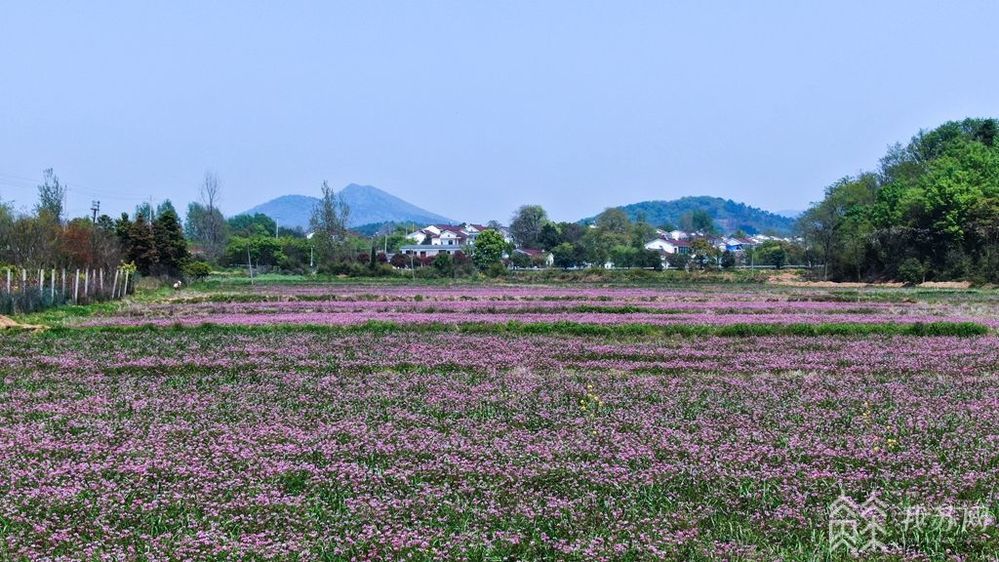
column 728, row 215
column 367, row 205
column 289, row 211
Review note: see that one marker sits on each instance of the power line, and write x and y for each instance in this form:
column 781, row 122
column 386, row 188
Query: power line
column 33, row 183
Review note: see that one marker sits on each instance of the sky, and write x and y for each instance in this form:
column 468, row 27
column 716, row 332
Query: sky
column 470, row 109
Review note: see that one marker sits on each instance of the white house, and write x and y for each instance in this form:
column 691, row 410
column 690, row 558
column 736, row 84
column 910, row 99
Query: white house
column 668, row 245
column 419, row 236
column 429, row 250
column 449, row 237
column 452, row 235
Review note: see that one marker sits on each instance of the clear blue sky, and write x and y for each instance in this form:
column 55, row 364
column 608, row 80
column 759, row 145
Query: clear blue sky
column 470, row 108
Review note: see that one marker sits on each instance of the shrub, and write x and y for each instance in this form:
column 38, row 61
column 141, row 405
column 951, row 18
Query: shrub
column 444, row 264
column 911, row 271
column 197, row 270
column 496, row 269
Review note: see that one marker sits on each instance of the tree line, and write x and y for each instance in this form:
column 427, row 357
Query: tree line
column 43, row 238
column 158, row 244
column 929, row 212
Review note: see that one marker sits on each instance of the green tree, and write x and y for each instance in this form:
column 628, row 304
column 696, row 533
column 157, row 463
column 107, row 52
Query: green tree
column 704, row 252
column 526, row 225
column 614, row 220
column 642, row 232
column 168, row 237
column 257, row 224
column 912, row 271
column 444, row 264
column 927, row 203
column 329, row 226
column 571, row 232
column 51, row 196
column 488, row 249
column 141, row 248
column 565, row 255
column 772, row 253
column 549, row 236
column 520, row 259
column 648, row 258
column 260, row 250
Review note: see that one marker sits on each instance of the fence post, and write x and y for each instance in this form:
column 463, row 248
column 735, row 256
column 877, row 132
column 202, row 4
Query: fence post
column 86, row 283
column 52, row 284
column 114, row 285
column 41, row 284
column 8, row 280
column 64, row 284
column 124, row 286
column 76, row 288
column 101, row 276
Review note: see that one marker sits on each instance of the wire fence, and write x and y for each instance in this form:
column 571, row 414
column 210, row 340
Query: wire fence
column 31, row 290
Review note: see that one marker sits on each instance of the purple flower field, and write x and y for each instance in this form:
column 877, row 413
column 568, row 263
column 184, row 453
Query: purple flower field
column 248, row 442
column 338, row 306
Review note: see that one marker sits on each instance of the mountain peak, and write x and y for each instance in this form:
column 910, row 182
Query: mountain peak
column 367, row 203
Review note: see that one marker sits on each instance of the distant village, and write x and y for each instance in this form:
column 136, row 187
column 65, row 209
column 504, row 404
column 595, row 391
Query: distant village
column 436, row 239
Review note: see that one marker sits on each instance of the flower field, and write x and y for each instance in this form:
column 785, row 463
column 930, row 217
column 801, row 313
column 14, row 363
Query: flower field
column 323, row 305
column 280, row 432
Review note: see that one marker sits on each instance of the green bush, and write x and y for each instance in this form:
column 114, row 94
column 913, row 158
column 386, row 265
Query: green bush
column 197, row 270
column 911, row 271
column 496, row 269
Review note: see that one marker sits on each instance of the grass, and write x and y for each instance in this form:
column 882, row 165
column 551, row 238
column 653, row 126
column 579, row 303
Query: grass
column 959, row 329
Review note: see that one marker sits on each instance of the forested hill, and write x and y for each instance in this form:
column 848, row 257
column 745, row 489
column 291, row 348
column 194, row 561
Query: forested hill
column 930, row 212
column 728, row 215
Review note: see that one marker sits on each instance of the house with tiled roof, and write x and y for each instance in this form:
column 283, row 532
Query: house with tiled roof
column 667, row 245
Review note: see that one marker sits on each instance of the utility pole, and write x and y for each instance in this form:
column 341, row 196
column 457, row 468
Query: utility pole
column 249, row 265
column 277, row 227
column 95, row 207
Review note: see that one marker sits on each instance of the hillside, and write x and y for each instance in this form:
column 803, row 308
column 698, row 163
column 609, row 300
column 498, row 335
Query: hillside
column 728, row 215
column 367, row 205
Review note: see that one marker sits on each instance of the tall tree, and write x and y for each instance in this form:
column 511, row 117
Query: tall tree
column 6, row 225
column 526, row 225
column 329, row 226
column 141, row 248
column 210, row 224
column 51, row 196
column 171, row 247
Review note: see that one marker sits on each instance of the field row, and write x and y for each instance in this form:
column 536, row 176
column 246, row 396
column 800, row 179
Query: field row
column 339, row 306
